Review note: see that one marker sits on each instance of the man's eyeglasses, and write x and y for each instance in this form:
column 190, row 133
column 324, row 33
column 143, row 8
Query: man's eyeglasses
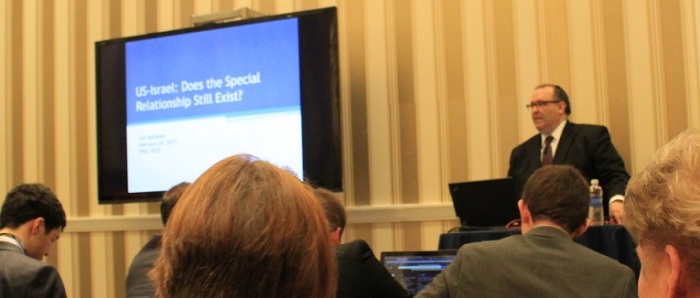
column 539, row 104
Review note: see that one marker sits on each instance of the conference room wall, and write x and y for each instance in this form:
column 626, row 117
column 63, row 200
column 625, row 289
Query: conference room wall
column 432, row 92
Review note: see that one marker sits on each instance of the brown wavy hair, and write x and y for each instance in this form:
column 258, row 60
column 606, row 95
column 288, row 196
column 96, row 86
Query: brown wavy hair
column 246, row 228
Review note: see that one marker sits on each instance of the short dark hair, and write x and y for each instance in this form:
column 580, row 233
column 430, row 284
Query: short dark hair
column 26, row 202
column 334, row 210
column 170, row 198
column 559, row 94
column 558, row 193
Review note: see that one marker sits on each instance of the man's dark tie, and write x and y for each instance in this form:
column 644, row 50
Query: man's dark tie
column 547, row 152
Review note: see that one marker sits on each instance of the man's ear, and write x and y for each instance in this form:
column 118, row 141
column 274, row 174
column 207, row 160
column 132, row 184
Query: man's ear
column 582, row 229
column 562, row 107
column 335, row 235
column 525, row 217
column 37, row 226
column 675, row 278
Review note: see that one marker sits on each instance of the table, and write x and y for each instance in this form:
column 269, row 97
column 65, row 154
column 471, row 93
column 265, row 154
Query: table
column 611, row 240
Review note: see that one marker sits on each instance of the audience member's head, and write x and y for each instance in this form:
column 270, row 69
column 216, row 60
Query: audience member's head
column 335, row 213
column 169, row 199
column 662, row 212
column 33, row 214
column 246, row 228
column 556, row 194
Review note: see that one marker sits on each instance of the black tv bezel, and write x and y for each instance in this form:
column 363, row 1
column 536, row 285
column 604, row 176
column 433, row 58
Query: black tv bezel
column 320, row 104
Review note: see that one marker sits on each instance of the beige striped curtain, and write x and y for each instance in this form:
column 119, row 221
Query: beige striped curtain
column 432, row 92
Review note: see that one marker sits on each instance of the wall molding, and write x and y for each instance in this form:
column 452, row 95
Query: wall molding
column 356, row 215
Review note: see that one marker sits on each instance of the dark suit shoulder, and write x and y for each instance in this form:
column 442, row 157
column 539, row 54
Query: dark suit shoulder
column 354, row 246
column 23, row 276
column 352, row 253
column 360, row 274
column 138, row 283
column 587, row 126
column 532, row 140
column 11, row 255
column 46, row 283
column 586, row 129
column 153, row 243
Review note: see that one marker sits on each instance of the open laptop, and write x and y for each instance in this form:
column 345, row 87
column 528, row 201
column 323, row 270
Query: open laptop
column 485, row 204
column 415, row 269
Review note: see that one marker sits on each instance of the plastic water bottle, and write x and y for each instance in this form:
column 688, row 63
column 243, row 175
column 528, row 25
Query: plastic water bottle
column 595, row 209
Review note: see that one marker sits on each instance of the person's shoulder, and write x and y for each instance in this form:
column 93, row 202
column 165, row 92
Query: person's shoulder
column 591, row 132
column 535, row 139
column 355, row 245
column 586, row 127
column 27, row 269
column 610, row 273
column 46, row 282
column 19, row 260
column 147, row 256
column 47, row 270
column 353, row 253
column 494, row 246
column 479, row 255
column 154, row 242
column 595, row 258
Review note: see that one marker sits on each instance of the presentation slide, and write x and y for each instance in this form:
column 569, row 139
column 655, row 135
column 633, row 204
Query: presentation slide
column 196, row 98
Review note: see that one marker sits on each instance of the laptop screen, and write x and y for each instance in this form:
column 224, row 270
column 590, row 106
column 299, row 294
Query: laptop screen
column 415, row 269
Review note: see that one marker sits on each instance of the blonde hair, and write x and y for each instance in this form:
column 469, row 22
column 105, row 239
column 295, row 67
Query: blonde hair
column 662, row 202
column 246, row 228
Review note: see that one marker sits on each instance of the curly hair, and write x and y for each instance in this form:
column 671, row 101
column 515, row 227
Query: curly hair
column 29, row 201
column 662, row 202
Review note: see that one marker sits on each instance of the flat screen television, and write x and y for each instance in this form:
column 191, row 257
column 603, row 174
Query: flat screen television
column 171, row 104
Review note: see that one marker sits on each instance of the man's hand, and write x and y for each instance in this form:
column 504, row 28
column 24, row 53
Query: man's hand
column 617, row 212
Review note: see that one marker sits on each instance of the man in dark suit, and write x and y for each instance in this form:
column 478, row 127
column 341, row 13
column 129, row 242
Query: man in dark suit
column 138, row 284
column 586, row 147
column 544, row 261
column 360, row 274
column 31, row 221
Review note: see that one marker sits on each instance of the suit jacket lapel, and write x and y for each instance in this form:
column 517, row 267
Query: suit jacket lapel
column 567, row 138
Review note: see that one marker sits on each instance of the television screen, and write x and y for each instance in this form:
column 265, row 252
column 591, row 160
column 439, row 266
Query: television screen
column 171, row 104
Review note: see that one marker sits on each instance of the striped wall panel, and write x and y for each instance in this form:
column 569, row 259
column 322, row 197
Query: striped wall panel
column 432, row 92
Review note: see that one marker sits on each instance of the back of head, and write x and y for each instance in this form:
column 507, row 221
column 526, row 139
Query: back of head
column 29, row 201
column 662, row 202
column 246, row 228
column 335, row 212
column 170, row 198
column 558, row 193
